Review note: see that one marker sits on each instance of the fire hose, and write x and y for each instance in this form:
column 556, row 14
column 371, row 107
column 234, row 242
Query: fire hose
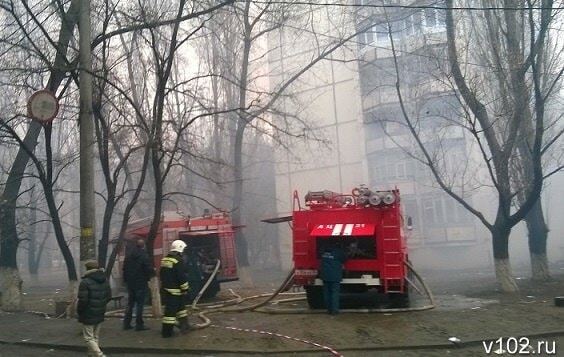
column 259, row 307
column 426, row 289
column 223, row 308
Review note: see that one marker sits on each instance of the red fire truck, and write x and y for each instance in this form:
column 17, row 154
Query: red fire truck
column 209, row 237
column 367, row 225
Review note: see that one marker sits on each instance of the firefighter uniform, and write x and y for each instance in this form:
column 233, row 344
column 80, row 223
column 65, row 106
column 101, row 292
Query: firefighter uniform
column 332, row 273
column 174, row 287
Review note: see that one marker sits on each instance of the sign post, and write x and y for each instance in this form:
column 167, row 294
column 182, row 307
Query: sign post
column 87, row 203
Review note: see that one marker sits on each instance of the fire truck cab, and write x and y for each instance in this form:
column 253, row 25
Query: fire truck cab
column 367, row 225
column 209, row 237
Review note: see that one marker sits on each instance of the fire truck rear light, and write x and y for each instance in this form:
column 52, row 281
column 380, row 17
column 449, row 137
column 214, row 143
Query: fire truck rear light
column 306, row 272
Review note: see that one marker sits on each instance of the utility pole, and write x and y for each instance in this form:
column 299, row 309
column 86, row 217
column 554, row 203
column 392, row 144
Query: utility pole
column 87, row 204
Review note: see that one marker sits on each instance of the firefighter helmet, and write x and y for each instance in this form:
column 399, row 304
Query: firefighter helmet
column 177, row 246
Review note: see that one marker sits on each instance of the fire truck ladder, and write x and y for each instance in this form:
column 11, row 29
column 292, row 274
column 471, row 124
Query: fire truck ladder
column 393, row 269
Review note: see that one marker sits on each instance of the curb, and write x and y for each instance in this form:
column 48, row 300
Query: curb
column 177, row 351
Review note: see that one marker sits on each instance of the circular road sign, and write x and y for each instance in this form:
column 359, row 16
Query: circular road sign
column 43, row 106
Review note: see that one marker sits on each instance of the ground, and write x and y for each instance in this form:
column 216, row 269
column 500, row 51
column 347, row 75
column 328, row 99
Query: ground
column 469, row 308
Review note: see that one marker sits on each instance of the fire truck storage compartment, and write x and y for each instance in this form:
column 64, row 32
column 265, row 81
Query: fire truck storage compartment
column 201, row 256
column 354, row 247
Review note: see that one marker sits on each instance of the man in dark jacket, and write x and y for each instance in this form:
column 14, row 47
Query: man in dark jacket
column 332, row 261
column 174, row 286
column 137, row 271
column 93, row 295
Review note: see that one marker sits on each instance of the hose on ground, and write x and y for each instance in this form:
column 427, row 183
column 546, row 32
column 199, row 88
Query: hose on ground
column 207, row 321
column 260, row 307
column 378, row 310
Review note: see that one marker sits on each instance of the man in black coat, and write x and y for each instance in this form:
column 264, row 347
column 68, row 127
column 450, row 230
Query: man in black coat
column 137, row 271
column 93, row 295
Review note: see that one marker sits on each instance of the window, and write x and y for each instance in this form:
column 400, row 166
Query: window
column 390, row 167
column 435, row 17
column 409, row 205
column 366, row 38
column 401, row 170
column 369, row 37
column 417, row 22
column 373, row 129
column 397, row 28
column 381, row 33
column 441, row 14
column 430, row 18
column 362, row 40
column 441, row 18
column 440, row 210
column 408, row 26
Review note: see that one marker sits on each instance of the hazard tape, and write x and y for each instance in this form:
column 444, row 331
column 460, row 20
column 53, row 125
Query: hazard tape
column 332, row 351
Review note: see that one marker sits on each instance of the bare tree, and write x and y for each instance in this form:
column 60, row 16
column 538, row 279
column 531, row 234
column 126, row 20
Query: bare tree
column 496, row 126
column 9, row 241
column 260, row 108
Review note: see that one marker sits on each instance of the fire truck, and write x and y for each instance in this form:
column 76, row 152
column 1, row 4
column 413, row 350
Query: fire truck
column 367, row 225
column 209, row 237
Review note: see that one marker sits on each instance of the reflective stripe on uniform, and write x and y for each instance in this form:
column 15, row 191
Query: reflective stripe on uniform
column 181, row 313
column 184, row 286
column 169, row 320
column 174, row 291
column 168, row 262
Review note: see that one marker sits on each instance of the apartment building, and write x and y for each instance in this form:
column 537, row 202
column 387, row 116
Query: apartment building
column 353, row 100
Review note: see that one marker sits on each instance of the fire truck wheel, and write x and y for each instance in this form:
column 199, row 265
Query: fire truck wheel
column 315, row 297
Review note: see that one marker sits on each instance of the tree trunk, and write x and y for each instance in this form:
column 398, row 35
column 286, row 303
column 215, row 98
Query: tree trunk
column 47, row 183
column 34, row 264
column 240, row 239
column 153, row 231
column 539, row 267
column 106, row 226
column 156, row 297
column 32, row 252
column 503, row 272
column 11, row 298
column 538, row 233
column 8, row 233
column 504, row 276
column 72, row 298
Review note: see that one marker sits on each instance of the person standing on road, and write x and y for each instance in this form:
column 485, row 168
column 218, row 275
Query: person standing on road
column 332, row 261
column 137, row 271
column 93, row 294
column 174, row 287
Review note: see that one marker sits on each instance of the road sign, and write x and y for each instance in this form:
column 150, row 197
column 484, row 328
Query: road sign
column 43, row 106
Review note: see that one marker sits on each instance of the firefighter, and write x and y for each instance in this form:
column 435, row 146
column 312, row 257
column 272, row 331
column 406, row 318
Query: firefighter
column 332, row 261
column 174, row 287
